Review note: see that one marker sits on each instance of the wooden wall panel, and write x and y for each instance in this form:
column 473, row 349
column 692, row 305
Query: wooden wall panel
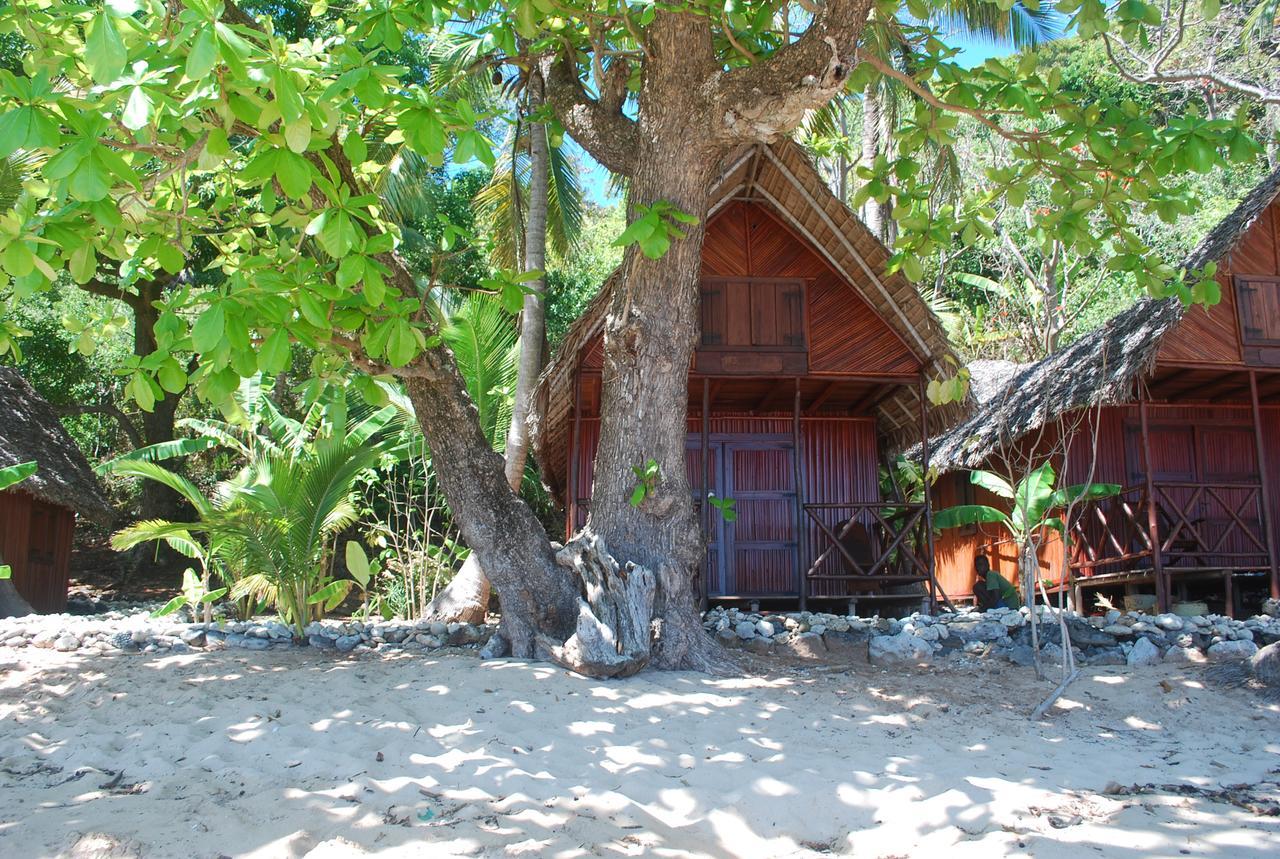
column 1211, row 335
column 1191, row 443
column 846, row 336
column 35, row 540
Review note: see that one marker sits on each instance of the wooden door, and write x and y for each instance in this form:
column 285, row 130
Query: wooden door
column 760, row 546
column 1231, row 517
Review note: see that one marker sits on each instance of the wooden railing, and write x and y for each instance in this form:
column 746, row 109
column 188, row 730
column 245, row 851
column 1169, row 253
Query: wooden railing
column 866, row 546
column 1198, row 526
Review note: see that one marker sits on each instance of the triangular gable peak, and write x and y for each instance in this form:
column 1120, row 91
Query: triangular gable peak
column 747, row 238
column 779, row 184
column 1243, row 329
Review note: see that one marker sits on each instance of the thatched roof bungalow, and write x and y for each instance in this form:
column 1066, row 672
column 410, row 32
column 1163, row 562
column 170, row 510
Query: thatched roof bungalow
column 37, row 517
column 1183, row 408
column 810, row 369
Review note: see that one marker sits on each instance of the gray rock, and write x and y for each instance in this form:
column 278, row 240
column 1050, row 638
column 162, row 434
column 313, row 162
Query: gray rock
column 727, row 637
column 140, row 636
column 767, row 629
column 495, row 648
column 899, row 650
column 1184, row 656
column 1229, row 651
column 320, row 641
column 1105, row 656
column 396, row 634
column 259, row 632
column 247, row 642
column 759, row 645
column 1119, row 630
column 1265, row 665
column 809, row 645
column 1019, row 654
column 44, row 639
column 1144, row 653
column 464, row 634
column 1169, row 622
column 66, row 643
column 845, row 645
column 192, row 637
column 347, row 643
column 438, row 628
column 988, row 630
column 745, row 630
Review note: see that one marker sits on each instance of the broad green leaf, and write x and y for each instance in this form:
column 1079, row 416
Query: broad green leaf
column 207, row 333
column 106, row 54
column 15, row 474
column 967, row 514
column 358, row 563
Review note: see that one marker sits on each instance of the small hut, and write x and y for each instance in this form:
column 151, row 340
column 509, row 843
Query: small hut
column 1181, row 405
column 38, row 516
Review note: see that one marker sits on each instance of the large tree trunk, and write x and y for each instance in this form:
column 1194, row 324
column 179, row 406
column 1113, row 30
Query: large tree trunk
column 649, row 337
column 506, row 539
column 466, row 597
column 158, row 425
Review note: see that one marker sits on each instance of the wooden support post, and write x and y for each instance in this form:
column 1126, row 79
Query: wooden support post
column 575, row 445
column 1264, row 480
column 922, row 393
column 706, row 487
column 1153, row 518
column 802, row 581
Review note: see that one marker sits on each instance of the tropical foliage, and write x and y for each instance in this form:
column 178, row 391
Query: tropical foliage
column 269, row 532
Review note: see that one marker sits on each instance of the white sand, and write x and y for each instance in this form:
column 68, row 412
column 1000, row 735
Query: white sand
column 271, row 755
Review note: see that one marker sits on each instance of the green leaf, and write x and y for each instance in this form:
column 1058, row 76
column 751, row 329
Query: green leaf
column 637, row 495
column 993, row 483
column 137, row 110
column 207, row 333
column 15, row 474
column 202, row 56
column 967, row 514
column 171, row 606
column 358, row 563
column 6, row 572
column 331, row 595
column 294, row 173
column 1210, row 8
column 105, row 53
column 274, row 355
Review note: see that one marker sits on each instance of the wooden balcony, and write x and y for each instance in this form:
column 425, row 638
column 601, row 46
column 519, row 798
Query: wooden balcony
column 1170, row 530
column 868, row 551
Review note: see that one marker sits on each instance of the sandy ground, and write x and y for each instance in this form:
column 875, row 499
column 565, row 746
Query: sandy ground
column 293, row 754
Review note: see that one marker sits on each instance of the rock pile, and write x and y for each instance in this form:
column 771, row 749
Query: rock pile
column 1116, row 638
column 133, row 630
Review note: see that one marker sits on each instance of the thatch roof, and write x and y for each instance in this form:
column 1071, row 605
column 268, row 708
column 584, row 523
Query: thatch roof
column 30, row 430
column 1104, row 366
column 782, row 178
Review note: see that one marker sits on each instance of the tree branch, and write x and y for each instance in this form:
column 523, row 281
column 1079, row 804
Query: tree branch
column 111, row 411
column 602, row 129
column 767, row 99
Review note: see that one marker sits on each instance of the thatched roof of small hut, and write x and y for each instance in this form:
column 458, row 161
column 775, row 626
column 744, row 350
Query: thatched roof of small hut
column 781, row 177
column 1105, row 366
column 30, row 430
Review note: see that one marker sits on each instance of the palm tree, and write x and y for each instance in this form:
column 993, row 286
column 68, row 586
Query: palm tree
column 268, row 532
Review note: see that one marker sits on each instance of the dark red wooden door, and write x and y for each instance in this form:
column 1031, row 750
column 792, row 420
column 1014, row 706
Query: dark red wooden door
column 754, row 555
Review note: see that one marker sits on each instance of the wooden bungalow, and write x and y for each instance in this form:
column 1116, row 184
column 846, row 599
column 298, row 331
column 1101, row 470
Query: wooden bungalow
column 38, row 516
column 1183, row 409
column 812, row 364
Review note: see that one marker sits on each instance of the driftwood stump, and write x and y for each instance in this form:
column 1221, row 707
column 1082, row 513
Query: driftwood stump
column 613, row 637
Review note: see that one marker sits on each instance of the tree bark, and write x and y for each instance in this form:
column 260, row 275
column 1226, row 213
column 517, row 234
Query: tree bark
column 649, row 337
column 506, row 539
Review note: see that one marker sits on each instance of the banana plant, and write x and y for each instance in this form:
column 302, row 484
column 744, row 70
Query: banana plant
column 1035, row 503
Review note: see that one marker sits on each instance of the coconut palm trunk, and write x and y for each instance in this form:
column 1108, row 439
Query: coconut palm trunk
column 466, row 597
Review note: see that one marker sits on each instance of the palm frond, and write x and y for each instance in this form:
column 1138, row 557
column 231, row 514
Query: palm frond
column 160, row 451
column 483, row 339
column 165, row 477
